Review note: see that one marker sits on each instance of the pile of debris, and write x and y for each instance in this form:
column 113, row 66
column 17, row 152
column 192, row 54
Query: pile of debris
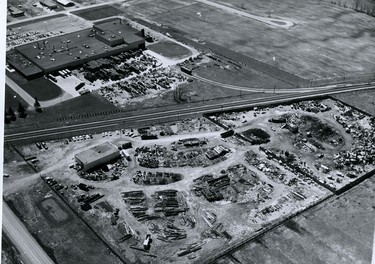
column 125, row 232
column 155, row 178
column 166, row 202
column 168, row 232
column 211, row 187
column 138, row 204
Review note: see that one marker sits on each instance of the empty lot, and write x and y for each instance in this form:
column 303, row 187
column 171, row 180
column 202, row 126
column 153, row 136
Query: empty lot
column 339, row 230
column 327, row 40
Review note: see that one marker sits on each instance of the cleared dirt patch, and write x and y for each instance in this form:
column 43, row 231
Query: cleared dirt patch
column 53, row 211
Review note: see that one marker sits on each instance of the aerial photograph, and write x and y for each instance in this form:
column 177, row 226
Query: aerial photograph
column 188, row 131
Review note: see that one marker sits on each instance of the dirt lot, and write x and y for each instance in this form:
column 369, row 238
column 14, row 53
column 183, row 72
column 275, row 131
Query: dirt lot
column 338, row 230
column 58, row 241
column 256, row 200
column 343, row 47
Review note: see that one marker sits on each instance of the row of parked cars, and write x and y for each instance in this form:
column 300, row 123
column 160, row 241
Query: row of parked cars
column 82, row 137
column 41, row 145
column 122, row 131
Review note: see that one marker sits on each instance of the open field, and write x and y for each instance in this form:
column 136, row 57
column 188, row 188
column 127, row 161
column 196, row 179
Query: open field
column 41, row 88
column 72, row 238
column 339, row 230
column 12, row 99
column 361, row 100
column 75, row 108
column 96, row 13
column 227, row 71
column 169, row 49
column 344, row 46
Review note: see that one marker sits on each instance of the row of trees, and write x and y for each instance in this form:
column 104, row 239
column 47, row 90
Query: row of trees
column 10, row 114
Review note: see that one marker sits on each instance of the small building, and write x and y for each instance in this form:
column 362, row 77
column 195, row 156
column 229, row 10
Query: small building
column 65, row 3
column 49, row 4
column 15, row 12
column 97, row 156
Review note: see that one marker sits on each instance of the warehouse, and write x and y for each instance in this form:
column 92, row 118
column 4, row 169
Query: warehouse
column 15, row 12
column 49, row 4
column 65, row 3
column 97, row 156
column 76, row 48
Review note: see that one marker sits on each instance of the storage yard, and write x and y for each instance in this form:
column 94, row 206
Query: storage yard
column 179, row 192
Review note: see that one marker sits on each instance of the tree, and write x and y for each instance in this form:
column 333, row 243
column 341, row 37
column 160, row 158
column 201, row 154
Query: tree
column 21, row 110
column 12, row 114
column 6, row 118
column 37, row 105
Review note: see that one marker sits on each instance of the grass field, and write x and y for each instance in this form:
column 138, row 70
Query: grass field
column 70, row 243
column 363, row 100
column 9, row 254
column 41, row 88
column 169, row 49
column 337, row 231
column 326, row 40
column 74, row 108
column 96, row 13
column 12, row 99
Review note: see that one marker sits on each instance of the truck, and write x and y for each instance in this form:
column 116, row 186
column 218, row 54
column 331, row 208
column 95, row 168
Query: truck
column 79, row 86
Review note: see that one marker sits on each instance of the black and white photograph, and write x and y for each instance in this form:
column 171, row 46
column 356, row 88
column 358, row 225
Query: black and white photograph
column 188, row 131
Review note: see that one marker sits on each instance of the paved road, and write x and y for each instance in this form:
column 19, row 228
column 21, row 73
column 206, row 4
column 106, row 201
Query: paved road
column 30, row 250
column 270, row 21
column 260, row 90
column 168, row 115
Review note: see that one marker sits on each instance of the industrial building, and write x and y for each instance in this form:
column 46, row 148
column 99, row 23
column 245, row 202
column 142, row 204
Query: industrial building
column 15, row 12
column 97, row 156
column 65, row 3
column 74, row 49
column 49, row 4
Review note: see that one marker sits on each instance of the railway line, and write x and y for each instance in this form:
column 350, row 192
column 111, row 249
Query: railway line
column 166, row 115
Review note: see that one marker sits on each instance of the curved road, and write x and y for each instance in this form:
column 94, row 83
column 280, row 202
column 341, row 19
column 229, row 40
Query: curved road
column 30, row 251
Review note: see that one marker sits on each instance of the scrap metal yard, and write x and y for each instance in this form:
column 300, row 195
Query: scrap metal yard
column 188, row 131
column 198, row 190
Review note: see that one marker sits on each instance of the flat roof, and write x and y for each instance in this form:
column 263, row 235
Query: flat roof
column 77, row 47
column 117, row 26
column 22, row 64
column 65, row 49
column 96, row 153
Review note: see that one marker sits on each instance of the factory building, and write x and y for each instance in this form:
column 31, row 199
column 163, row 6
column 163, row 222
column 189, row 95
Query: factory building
column 74, row 49
column 97, row 156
